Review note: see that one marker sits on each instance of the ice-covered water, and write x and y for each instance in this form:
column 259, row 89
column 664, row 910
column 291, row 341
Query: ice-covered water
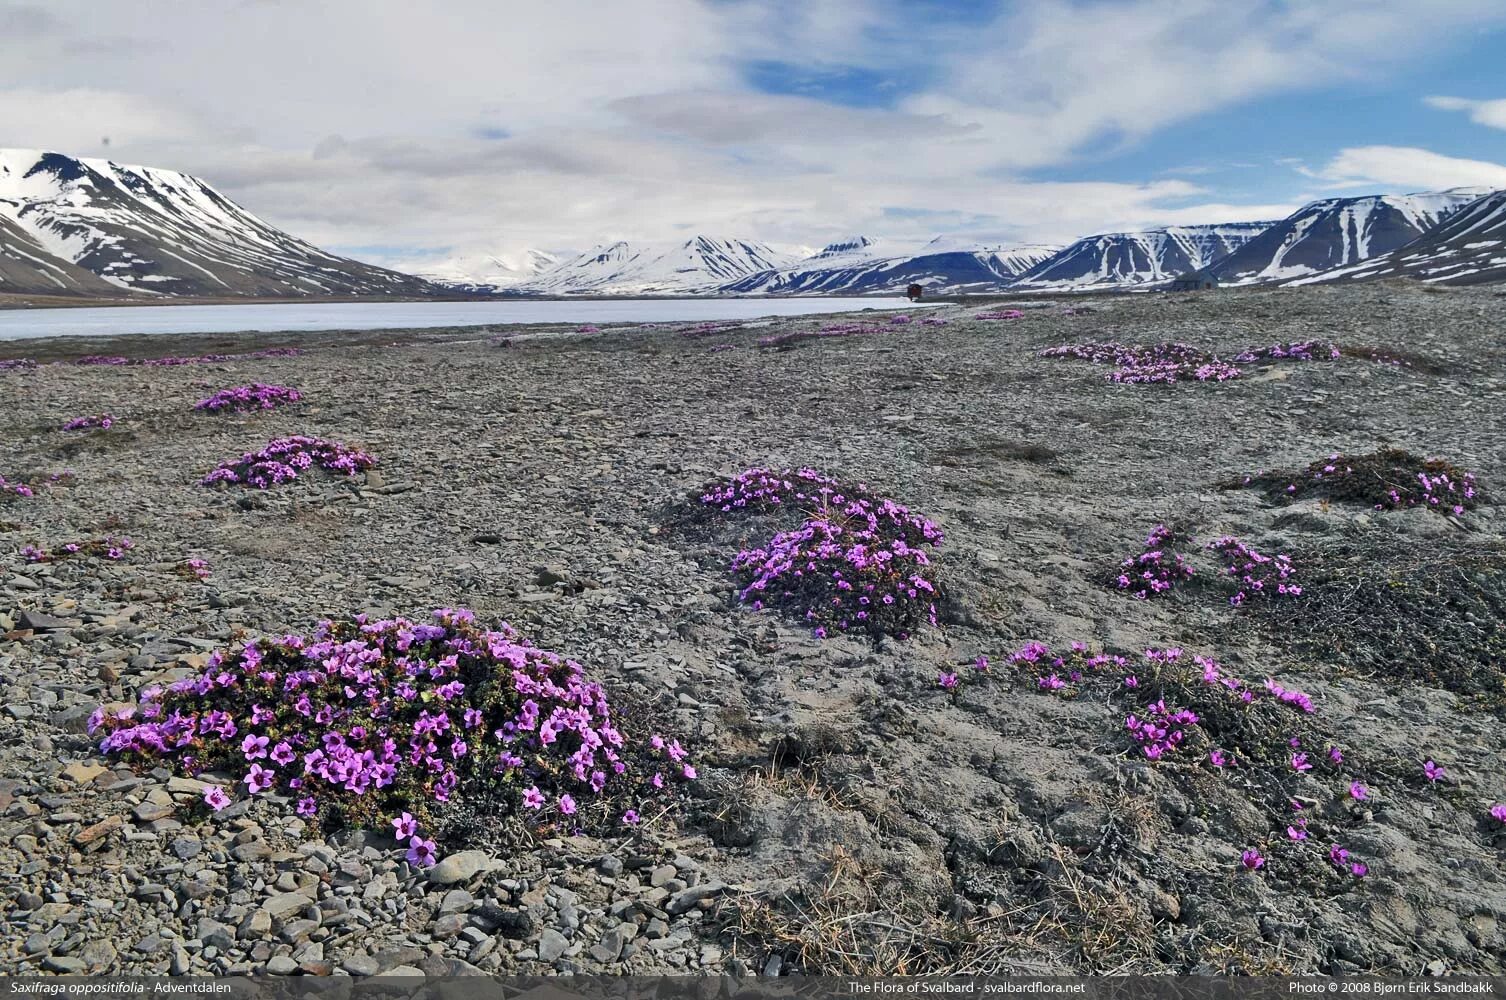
column 17, row 324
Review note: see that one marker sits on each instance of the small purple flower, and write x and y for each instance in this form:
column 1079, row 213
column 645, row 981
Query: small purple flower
column 259, row 779
column 533, row 798
column 1499, row 812
column 947, row 681
column 307, row 806
column 421, row 852
column 405, row 827
column 567, row 805
column 1252, row 860
column 1433, row 772
column 215, row 798
column 631, row 818
column 1358, row 792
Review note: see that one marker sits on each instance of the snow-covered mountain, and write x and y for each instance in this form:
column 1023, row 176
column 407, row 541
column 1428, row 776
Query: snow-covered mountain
column 1117, row 260
column 152, row 231
column 1467, row 248
column 860, row 265
column 484, row 272
column 1336, row 232
column 700, row 265
column 28, row 268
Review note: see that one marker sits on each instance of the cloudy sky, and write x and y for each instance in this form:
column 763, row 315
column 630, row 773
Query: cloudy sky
column 397, row 131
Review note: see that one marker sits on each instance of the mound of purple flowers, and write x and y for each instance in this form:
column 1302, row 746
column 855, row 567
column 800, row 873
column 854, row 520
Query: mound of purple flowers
column 113, row 549
column 1304, row 350
column 1140, row 363
column 17, row 364
column 364, row 720
column 11, row 489
column 856, row 561
column 1150, row 572
column 103, row 421
column 1256, row 574
column 281, row 461
column 1389, row 479
column 242, row 398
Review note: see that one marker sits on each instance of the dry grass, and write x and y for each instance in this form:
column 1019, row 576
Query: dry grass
column 856, row 921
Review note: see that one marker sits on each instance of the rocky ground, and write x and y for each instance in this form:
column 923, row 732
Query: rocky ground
column 852, row 815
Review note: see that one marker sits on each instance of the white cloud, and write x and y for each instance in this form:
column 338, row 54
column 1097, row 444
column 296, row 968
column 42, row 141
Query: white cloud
column 1491, row 113
column 1410, row 168
column 472, row 124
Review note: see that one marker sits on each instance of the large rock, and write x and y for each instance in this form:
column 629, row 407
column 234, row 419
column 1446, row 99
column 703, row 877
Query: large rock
column 460, row 867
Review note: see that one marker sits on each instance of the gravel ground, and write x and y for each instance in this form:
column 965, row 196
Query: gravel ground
column 852, row 815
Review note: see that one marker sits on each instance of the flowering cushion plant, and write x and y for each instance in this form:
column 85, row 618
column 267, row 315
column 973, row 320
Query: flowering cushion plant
column 856, row 561
column 1256, row 574
column 22, row 489
column 282, row 459
column 1187, row 713
column 1175, row 362
column 365, row 720
column 1157, row 568
column 244, row 398
column 111, row 548
column 1389, row 479
column 103, row 421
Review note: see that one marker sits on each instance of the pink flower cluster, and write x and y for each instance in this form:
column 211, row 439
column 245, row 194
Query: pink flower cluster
column 1437, row 492
column 366, row 718
column 241, row 398
column 113, row 549
column 282, row 459
column 1304, row 350
column 1389, row 479
column 1174, row 362
column 1256, row 574
column 1139, row 363
column 17, row 364
column 857, row 561
column 1162, row 730
column 1159, row 731
column 9, row 489
column 1149, row 573
column 103, row 421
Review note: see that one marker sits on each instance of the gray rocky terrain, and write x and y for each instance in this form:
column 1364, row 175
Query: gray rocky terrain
column 851, row 813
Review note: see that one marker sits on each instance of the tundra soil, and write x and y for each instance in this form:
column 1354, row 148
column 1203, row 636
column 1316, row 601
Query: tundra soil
column 852, row 815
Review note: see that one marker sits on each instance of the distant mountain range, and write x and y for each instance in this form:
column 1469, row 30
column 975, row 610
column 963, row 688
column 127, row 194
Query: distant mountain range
column 97, row 228
column 1115, row 260
column 71, row 226
column 1467, row 248
column 1337, row 232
